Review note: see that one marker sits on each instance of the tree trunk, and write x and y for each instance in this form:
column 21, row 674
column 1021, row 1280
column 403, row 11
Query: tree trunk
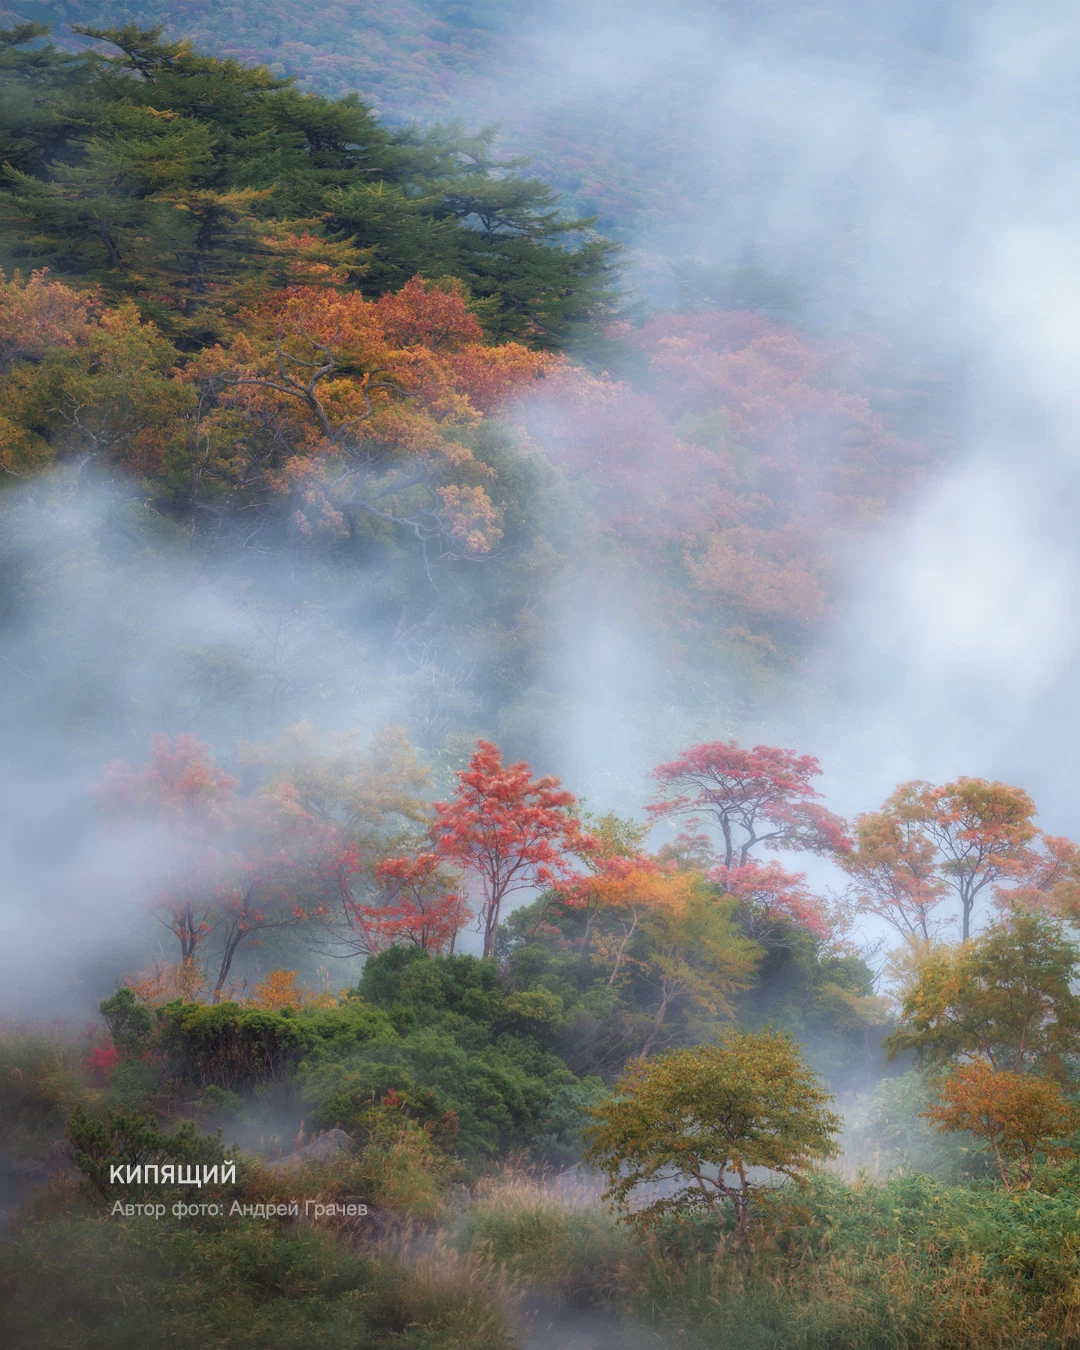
column 658, row 1022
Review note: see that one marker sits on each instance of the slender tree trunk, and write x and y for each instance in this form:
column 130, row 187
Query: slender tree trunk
column 622, row 947
column 232, row 945
column 491, row 924
column 658, row 1021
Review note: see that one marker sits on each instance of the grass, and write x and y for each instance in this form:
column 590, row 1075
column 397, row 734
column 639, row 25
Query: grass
column 557, row 1238
column 107, row 1283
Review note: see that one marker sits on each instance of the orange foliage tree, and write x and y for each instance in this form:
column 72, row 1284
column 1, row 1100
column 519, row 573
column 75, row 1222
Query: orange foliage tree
column 348, row 404
column 1016, row 1115
column 968, row 837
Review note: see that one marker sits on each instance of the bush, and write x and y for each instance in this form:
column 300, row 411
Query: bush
column 120, row 1138
column 42, row 1080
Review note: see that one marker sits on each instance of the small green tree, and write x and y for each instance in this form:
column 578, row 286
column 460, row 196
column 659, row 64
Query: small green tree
column 703, row 1118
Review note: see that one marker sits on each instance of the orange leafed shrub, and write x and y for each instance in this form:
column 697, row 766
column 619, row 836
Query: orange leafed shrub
column 1017, row 1115
column 279, row 989
column 168, row 980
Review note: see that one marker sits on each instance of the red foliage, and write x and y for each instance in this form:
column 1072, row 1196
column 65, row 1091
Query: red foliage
column 506, row 828
column 100, row 1063
column 734, row 477
column 421, row 906
column 758, row 796
column 770, row 897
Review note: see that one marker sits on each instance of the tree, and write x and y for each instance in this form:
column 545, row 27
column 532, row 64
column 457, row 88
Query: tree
column 193, row 803
column 700, row 1120
column 232, row 867
column 694, row 954
column 384, row 887
column 345, row 404
column 980, row 834
column 186, row 183
column 758, row 796
column 1017, row 1115
column 510, row 831
column 771, row 899
column 1005, row 997
column 896, row 877
column 421, row 905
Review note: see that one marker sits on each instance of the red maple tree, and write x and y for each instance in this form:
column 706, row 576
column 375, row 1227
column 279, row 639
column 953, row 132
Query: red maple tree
column 758, row 796
column 510, row 831
column 768, row 897
column 421, row 905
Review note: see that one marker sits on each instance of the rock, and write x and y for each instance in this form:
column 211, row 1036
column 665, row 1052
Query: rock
column 329, row 1146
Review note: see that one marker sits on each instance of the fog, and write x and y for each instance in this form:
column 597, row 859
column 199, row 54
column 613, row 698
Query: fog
column 912, row 169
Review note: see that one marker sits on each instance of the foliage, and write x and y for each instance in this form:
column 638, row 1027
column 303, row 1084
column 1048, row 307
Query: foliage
column 1006, row 996
column 964, row 837
column 758, row 796
column 552, row 1234
column 99, row 1143
column 187, row 201
column 238, row 864
column 510, row 831
column 1017, row 1115
column 695, row 1117
column 908, row 1263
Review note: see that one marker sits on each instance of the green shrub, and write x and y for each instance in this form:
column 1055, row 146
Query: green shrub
column 136, row 1140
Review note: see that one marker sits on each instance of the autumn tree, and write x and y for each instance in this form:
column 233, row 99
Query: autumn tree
column 182, row 795
column 348, row 403
column 1006, row 997
column 234, row 867
column 507, row 830
column 969, row 836
column 372, row 793
column 1017, row 1116
column 894, row 870
column 419, row 904
column 770, row 900
column 278, row 880
column 758, row 796
column 618, row 893
column 701, row 1121
column 694, row 956
column 381, row 881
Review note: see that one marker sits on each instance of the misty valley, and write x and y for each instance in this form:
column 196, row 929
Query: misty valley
column 537, row 666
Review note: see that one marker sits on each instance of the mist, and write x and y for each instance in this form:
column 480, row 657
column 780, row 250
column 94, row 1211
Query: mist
column 910, row 171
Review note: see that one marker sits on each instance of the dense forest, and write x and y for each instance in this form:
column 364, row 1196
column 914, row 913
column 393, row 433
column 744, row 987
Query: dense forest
column 333, row 434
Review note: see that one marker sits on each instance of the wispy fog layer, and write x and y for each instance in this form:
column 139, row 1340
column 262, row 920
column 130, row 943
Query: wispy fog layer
column 912, row 166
